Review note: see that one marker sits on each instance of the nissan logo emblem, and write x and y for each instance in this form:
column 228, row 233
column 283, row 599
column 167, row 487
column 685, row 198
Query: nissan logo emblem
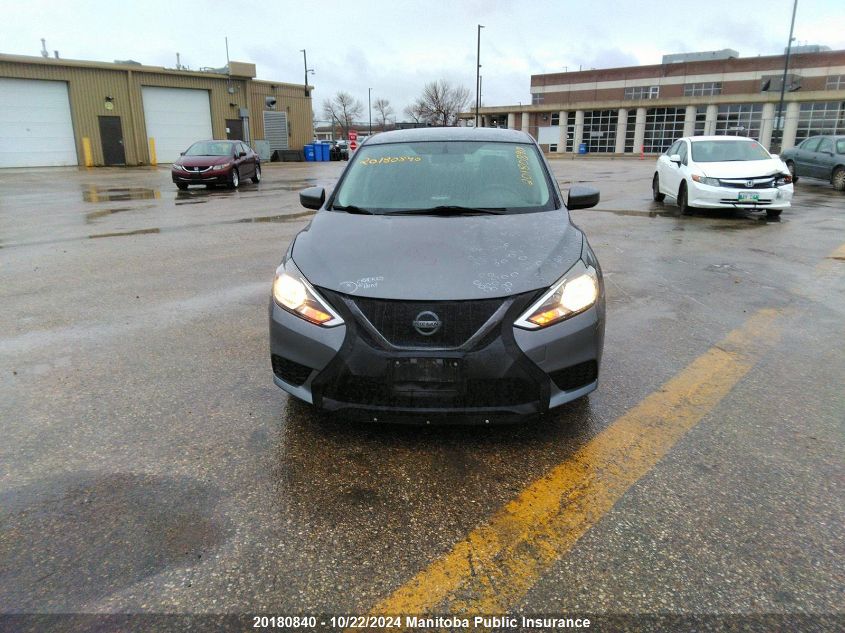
column 427, row 323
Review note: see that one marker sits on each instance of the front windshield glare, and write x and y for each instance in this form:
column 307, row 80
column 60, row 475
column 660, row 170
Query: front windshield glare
column 209, row 149
column 719, row 151
column 426, row 175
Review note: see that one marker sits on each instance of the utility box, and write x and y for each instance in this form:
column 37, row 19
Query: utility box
column 242, row 69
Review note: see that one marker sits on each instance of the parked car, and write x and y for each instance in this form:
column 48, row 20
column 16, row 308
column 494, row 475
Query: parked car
column 820, row 157
column 441, row 280
column 340, row 150
column 216, row 163
column 712, row 172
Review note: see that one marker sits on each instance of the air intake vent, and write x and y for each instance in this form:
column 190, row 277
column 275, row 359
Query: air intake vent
column 290, row 371
column 575, row 377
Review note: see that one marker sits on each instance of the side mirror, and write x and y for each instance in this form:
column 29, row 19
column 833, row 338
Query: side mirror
column 582, row 198
column 675, row 158
column 181, row 153
column 241, row 154
column 312, row 198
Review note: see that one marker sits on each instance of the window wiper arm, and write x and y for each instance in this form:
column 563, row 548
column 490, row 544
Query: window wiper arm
column 351, row 208
column 451, row 209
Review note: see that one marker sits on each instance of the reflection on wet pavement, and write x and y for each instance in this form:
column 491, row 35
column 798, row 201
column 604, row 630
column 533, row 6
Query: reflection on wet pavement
column 93, row 193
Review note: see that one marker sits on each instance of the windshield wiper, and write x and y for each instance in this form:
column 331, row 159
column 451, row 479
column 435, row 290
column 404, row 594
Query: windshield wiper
column 351, row 208
column 450, row 209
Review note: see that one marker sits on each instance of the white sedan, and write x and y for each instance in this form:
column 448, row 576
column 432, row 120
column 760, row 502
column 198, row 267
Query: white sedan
column 713, row 172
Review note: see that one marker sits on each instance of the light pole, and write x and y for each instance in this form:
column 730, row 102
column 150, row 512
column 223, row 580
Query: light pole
column 307, row 70
column 370, row 107
column 779, row 119
column 478, row 75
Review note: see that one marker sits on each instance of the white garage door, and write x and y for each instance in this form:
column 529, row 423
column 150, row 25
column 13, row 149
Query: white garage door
column 35, row 125
column 176, row 117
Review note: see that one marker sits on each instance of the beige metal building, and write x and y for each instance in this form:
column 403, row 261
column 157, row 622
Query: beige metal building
column 69, row 112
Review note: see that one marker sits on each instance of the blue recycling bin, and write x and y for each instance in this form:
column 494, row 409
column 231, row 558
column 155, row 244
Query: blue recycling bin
column 309, row 153
column 318, row 154
column 325, row 149
column 582, row 148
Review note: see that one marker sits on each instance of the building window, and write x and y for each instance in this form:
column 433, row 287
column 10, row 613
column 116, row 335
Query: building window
column 703, row 89
column 553, row 147
column 700, row 121
column 663, row 126
column 642, row 92
column 824, row 117
column 537, row 99
column 555, row 118
column 739, row 120
column 773, row 83
column 600, row 130
column 570, row 131
column 835, row 82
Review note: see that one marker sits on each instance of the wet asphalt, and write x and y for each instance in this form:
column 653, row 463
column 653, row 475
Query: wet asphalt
column 149, row 464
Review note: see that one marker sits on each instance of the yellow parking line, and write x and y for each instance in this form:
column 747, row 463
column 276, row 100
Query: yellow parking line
column 839, row 253
column 497, row 563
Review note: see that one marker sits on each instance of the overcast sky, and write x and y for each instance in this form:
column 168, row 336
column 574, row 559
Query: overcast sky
column 395, row 47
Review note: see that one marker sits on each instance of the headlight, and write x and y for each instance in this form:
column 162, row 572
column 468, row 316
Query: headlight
column 177, row 166
column 574, row 293
column 223, row 166
column 292, row 292
column 783, row 179
column 704, row 180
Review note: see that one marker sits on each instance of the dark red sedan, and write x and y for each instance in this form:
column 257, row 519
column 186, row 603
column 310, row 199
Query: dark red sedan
column 216, row 163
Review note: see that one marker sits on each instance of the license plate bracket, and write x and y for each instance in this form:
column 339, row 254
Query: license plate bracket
column 426, row 370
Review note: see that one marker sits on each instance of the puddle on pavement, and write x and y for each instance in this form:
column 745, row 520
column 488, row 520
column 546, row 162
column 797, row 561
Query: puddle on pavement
column 124, row 233
column 93, row 193
column 75, row 539
column 104, row 213
column 290, row 217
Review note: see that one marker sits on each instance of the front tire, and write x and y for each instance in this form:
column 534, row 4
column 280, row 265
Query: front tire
column 683, row 200
column 791, row 166
column 773, row 214
column 655, row 189
column 234, row 179
column 257, row 177
column 838, row 179
column 181, row 186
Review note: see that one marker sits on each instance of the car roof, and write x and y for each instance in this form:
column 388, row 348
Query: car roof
column 450, row 134
column 695, row 139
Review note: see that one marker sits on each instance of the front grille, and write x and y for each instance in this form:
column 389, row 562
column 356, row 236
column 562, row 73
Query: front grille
column 741, row 183
column 290, row 371
column 734, row 201
column 394, row 320
column 576, row 376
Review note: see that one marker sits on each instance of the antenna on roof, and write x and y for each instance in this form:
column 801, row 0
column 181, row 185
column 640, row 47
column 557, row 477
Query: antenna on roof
column 44, row 52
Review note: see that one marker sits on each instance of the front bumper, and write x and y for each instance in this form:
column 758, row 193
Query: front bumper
column 709, row 197
column 505, row 375
column 201, row 178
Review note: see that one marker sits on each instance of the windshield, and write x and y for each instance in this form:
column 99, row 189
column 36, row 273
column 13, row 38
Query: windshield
column 210, row 148
column 723, row 151
column 508, row 177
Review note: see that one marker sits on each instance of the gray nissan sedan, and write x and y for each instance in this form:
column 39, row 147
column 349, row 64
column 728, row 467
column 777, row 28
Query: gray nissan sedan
column 441, row 281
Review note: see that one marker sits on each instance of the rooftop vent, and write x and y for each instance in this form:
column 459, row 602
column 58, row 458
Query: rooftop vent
column 809, row 48
column 725, row 53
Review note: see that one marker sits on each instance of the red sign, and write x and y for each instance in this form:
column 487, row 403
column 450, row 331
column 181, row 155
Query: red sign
column 353, row 135
column 353, row 145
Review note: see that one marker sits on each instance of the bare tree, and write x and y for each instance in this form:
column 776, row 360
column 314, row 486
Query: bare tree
column 414, row 111
column 344, row 109
column 383, row 112
column 441, row 102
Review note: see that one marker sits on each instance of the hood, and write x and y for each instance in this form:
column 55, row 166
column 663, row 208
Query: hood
column 744, row 169
column 436, row 258
column 203, row 161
